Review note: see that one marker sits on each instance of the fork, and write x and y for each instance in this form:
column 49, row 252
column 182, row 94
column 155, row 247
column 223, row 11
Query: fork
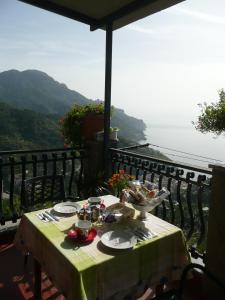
column 153, row 234
column 145, row 234
column 42, row 218
column 139, row 236
column 142, row 236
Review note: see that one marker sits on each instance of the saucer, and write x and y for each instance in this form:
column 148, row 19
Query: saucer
column 83, row 239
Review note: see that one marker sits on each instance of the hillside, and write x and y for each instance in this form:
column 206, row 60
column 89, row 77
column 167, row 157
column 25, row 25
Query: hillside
column 37, row 91
column 31, row 104
column 26, row 129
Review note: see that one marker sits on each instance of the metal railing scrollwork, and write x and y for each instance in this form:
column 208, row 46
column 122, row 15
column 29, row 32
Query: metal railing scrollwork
column 16, row 166
column 190, row 186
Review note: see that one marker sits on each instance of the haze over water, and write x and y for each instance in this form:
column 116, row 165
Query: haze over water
column 186, row 139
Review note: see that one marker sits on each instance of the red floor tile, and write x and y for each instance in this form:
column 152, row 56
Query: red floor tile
column 16, row 282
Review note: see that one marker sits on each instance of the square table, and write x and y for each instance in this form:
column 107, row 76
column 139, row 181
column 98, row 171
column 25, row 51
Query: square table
column 95, row 272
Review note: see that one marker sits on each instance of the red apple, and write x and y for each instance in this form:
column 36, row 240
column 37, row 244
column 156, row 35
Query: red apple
column 72, row 233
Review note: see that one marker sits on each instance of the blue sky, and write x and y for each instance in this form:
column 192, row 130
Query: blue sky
column 163, row 65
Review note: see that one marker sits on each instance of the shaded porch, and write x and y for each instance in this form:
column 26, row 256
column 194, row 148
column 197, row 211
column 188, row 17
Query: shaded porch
column 185, row 207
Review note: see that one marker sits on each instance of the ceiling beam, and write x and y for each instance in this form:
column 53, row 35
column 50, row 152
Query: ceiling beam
column 63, row 11
column 122, row 12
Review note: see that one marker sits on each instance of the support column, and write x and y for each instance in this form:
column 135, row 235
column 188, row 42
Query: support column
column 215, row 250
column 108, row 81
column 93, row 164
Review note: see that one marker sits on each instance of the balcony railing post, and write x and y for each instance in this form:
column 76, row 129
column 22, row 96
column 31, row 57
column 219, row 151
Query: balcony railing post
column 215, row 250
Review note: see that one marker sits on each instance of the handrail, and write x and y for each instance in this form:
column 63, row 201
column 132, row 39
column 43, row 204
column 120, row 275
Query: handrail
column 137, row 146
column 11, row 152
column 163, row 161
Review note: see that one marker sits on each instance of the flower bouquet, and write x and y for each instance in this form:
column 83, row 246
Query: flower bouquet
column 119, row 181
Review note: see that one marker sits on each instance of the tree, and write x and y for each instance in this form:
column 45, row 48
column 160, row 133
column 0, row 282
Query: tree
column 212, row 118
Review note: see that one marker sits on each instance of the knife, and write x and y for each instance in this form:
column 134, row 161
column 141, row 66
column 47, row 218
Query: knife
column 51, row 216
column 47, row 217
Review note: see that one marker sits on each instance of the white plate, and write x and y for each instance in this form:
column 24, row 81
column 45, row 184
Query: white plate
column 119, row 239
column 94, row 200
column 66, row 207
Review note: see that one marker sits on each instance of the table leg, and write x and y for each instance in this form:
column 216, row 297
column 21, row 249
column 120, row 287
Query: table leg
column 37, row 280
column 159, row 289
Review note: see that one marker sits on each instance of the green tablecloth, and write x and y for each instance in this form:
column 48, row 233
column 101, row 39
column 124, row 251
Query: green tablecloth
column 94, row 272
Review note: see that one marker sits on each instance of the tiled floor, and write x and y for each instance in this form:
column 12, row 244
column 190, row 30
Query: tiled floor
column 16, row 281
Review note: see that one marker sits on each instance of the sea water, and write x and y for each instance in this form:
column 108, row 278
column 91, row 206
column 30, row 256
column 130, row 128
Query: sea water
column 187, row 139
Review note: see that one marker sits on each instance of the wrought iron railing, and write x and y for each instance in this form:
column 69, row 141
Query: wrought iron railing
column 188, row 203
column 16, row 166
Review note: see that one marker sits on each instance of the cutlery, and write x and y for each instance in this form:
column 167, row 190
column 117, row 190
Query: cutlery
column 152, row 233
column 42, row 218
column 139, row 236
column 145, row 234
column 46, row 216
column 51, row 216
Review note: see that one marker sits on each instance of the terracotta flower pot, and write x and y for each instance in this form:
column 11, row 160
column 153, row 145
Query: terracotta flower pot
column 91, row 124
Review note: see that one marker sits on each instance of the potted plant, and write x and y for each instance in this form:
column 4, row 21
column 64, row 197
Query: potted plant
column 112, row 135
column 82, row 122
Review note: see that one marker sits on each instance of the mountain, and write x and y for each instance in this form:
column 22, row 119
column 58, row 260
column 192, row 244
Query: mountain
column 23, row 129
column 37, row 91
column 130, row 127
column 31, row 104
column 26, row 129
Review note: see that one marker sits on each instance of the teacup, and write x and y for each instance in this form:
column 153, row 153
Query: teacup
column 84, row 226
column 94, row 200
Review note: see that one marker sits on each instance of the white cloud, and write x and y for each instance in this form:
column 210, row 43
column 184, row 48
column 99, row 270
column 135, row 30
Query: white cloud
column 201, row 16
column 139, row 28
column 93, row 61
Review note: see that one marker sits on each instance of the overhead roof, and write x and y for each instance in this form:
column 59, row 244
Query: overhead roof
column 98, row 13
